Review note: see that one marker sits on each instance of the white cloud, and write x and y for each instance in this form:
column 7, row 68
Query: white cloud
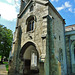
column 16, row 2
column 9, row 1
column 60, row 8
column 66, row 5
column 70, row 9
column 8, row 11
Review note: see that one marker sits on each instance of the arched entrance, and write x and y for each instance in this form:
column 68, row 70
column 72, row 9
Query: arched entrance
column 30, row 57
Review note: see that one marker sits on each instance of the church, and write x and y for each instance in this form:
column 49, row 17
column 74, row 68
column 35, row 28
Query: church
column 70, row 48
column 39, row 40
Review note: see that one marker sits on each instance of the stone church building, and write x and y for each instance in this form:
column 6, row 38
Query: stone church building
column 39, row 40
column 70, row 48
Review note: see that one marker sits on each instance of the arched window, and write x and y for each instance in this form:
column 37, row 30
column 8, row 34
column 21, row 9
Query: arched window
column 30, row 24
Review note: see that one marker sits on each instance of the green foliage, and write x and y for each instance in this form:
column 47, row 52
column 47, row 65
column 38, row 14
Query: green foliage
column 0, row 58
column 5, row 41
column 6, row 65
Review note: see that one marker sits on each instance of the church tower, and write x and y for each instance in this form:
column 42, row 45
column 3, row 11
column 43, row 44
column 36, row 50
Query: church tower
column 39, row 45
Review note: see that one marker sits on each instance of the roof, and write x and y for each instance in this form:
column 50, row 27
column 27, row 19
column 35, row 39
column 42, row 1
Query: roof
column 70, row 28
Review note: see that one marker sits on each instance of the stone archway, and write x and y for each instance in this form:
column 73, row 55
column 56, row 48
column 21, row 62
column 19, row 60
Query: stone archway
column 30, row 57
column 73, row 56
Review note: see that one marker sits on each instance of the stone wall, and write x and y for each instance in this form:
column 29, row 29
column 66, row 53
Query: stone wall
column 59, row 40
column 38, row 37
column 40, row 30
column 40, row 27
column 70, row 41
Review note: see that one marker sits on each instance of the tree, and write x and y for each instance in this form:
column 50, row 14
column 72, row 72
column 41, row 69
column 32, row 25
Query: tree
column 5, row 41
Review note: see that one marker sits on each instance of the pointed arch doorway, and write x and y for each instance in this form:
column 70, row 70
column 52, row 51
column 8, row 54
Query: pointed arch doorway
column 30, row 57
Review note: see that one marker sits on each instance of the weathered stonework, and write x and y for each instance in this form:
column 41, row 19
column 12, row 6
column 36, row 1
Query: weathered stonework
column 48, row 44
column 70, row 42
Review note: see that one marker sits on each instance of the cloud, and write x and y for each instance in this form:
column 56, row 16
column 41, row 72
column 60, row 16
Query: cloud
column 16, row 2
column 60, row 8
column 66, row 5
column 8, row 12
column 70, row 9
column 9, row 1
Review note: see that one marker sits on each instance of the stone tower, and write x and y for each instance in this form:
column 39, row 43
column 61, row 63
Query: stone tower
column 39, row 45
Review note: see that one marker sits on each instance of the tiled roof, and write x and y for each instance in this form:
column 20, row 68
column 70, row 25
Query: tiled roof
column 70, row 27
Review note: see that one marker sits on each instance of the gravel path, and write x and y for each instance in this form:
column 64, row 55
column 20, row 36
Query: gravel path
column 3, row 70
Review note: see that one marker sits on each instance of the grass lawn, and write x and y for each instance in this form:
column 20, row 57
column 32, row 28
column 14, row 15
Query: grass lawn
column 7, row 66
column 0, row 58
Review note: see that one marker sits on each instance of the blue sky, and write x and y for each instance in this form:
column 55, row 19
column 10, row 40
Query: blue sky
column 10, row 8
column 66, row 8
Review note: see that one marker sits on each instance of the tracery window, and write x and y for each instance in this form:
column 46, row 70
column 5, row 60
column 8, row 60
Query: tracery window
column 30, row 25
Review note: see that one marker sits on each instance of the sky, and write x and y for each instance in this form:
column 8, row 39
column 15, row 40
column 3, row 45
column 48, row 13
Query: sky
column 10, row 8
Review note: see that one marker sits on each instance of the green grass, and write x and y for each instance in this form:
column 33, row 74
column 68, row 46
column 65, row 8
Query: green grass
column 6, row 64
column 7, row 67
column 0, row 58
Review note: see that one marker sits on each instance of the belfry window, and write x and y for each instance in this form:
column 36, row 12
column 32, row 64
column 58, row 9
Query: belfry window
column 30, row 25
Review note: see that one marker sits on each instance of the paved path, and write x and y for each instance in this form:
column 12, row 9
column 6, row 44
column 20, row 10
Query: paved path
column 3, row 70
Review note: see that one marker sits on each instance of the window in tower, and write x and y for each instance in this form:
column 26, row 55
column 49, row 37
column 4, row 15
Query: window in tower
column 30, row 25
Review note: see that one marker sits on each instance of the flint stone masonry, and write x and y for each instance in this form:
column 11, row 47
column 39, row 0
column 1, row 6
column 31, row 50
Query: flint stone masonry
column 38, row 39
column 70, row 42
